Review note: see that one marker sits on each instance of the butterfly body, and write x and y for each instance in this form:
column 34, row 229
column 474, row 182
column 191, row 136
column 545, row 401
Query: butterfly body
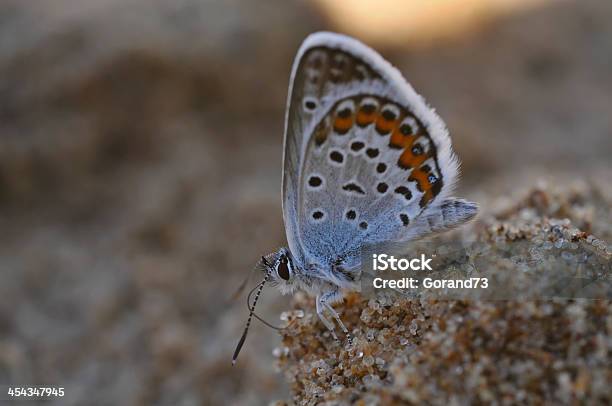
column 365, row 161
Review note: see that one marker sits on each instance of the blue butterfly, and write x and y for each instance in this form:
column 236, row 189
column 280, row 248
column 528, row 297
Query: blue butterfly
column 366, row 161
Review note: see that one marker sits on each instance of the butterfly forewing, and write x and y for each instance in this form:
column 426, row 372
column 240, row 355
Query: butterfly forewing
column 364, row 155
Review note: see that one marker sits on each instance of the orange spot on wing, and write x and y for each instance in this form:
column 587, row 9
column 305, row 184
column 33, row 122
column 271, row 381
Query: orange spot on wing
column 420, row 176
column 342, row 125
column 399, row 140
column 385, row 126
column 364, row 118
column 426, row 198
column 430, row 190
column 320, row 133
column 409, row 160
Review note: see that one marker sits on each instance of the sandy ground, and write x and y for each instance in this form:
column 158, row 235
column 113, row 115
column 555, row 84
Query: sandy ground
column 549, row 344
column 140, row 155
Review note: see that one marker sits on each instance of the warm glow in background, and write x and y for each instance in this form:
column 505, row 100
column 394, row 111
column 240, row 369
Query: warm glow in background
column 416, row 22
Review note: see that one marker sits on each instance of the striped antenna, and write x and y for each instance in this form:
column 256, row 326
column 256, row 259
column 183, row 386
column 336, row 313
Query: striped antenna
column 248, row 323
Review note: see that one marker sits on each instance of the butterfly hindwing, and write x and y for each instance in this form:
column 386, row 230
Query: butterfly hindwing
column 375, row 172
column 364, row 154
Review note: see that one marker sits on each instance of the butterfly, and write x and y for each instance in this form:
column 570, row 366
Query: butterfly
column 366, row 161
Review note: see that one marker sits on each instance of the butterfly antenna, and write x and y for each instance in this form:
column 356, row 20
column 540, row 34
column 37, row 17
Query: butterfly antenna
column 248, row 323
column 267, row 264
column 255, row 314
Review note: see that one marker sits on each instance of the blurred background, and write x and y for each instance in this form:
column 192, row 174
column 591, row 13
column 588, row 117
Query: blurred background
column 140, row 156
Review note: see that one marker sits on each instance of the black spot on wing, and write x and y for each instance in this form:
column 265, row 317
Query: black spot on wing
column 389, row 115
column 354, row 188
column 315, row 181
column 404, row 191
column 372, row 152
column 345, row 113
column 357, row 146
column 406, row 129
column 336, row 156
column 310, row 104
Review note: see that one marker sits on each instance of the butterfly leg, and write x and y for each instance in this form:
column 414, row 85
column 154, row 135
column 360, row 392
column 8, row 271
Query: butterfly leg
column 321, row 307
column 324, row 302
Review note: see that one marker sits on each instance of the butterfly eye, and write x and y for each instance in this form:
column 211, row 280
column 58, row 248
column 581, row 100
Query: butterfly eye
column 282, row 269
